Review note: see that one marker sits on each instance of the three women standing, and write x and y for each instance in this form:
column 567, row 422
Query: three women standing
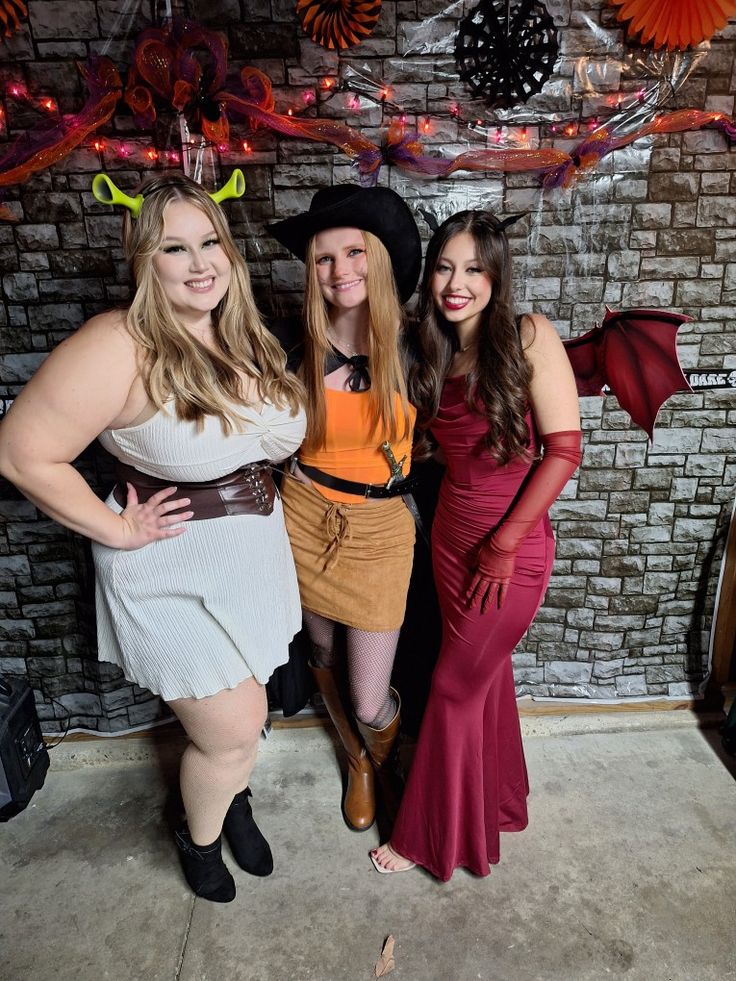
column 186, row 388
column 351, row 532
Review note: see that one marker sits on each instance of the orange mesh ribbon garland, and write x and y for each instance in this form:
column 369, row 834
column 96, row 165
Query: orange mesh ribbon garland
column 602, row 142
column 184, row 66
column 11, row 12
column 674, row 24
column 258, row 108
column 509, row 161
column 338, row 23
column 404, row 149
column 38, row 149
column 155, row 63
column 349, row 140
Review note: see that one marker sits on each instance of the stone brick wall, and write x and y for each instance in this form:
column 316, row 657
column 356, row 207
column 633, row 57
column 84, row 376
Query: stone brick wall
column 640, row 529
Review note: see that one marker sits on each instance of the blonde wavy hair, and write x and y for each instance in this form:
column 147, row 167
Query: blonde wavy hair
column 385, row 322
column 177, row 367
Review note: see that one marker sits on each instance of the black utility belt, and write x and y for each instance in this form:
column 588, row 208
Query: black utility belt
column 396, row 488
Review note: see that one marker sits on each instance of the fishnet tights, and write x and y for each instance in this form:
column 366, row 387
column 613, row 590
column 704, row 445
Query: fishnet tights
column 370, row 659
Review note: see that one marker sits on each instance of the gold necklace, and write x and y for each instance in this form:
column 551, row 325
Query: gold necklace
column 341, row 344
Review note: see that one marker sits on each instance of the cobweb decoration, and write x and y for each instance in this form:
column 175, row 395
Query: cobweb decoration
column 338, row 23
column 506, row 50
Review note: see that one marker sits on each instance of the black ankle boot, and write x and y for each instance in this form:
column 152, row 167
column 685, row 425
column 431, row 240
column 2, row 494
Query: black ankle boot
column 250, row 849
column 204, row 869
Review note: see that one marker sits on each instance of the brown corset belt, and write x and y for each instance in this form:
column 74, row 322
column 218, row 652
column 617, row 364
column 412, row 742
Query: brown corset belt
column 250, row 490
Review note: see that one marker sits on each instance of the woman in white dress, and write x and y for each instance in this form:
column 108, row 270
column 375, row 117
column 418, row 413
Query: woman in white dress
column 196, row 590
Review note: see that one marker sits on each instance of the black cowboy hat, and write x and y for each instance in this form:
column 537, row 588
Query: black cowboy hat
column 378, row 210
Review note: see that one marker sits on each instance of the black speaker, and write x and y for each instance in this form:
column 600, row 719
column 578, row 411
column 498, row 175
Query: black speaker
column 23, row 757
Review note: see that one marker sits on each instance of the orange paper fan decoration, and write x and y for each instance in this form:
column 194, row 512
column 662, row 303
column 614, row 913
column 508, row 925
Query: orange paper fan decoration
column 338, row 23
column 674, row 23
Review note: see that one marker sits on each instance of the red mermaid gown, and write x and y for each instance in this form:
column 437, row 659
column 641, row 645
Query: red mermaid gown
column 468, row 781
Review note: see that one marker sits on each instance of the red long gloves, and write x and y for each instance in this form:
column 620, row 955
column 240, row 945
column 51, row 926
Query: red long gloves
column 497, row 554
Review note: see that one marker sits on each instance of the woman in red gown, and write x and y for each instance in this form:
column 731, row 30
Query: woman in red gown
column 498, row 397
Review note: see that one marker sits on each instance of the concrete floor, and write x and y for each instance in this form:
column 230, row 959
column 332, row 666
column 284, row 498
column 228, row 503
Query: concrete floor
column 628, row 868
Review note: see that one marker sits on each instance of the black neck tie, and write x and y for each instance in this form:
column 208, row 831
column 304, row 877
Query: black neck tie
column 359, row 378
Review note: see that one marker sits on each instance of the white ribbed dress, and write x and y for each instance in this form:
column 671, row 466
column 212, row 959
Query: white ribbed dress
column 192, row 615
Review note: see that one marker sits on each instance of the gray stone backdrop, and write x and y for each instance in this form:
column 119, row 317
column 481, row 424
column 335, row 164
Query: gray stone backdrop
column 640, row 529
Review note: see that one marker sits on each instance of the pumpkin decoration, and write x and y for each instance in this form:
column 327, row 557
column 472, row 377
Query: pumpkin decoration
column 674, row 24
column 338, row 23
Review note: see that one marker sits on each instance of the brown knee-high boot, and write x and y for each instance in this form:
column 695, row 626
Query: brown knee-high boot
column 379, row 743
column 359, row 804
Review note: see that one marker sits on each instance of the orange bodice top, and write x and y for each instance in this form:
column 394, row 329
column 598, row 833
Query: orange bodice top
column 352, row 451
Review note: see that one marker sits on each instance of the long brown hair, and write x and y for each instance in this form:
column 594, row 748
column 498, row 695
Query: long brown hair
column 385, row 320
column 498, row 382
column 174, row 364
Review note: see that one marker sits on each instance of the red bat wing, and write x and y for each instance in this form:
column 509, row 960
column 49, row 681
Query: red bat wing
column 635, row 354
column 586, row 354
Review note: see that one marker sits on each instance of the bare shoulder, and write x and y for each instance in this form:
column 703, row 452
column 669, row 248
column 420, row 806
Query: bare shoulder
column 103, row 341
column 552, row 392
column 81, row 388
column 538, row 335
column 108, row 327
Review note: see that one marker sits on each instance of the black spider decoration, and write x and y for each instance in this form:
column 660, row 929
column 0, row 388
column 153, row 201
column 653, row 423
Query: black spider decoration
column 506, row 50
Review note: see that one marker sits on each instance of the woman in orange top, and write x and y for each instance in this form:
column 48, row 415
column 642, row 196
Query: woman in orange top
column 351, row 532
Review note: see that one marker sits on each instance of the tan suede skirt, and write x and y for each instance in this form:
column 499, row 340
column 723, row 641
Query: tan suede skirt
column 353, row 561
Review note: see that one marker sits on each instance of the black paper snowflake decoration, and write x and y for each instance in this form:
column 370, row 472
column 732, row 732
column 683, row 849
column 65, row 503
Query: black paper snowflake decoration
column 506, row 50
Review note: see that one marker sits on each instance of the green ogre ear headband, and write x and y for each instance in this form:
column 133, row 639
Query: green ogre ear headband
column 107, row 193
